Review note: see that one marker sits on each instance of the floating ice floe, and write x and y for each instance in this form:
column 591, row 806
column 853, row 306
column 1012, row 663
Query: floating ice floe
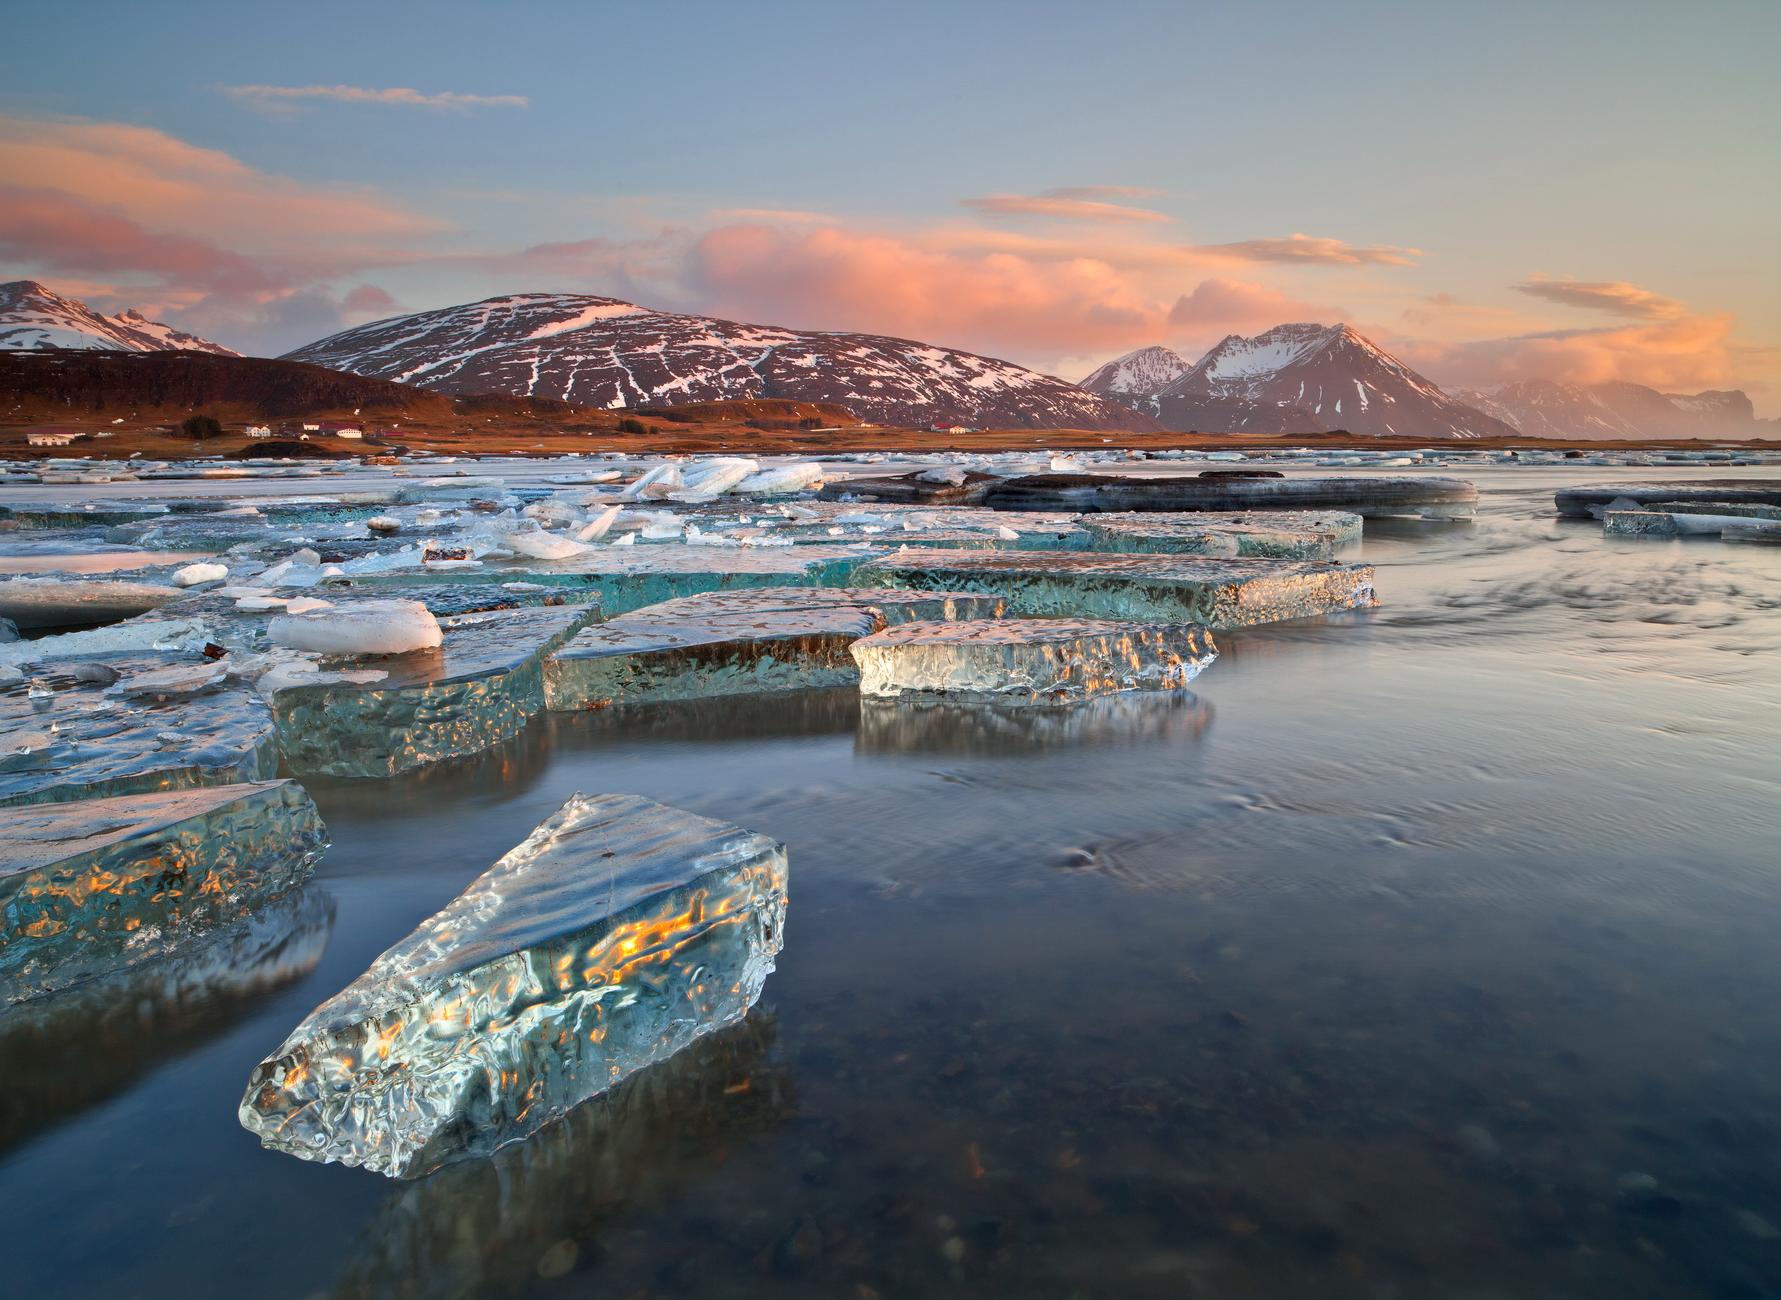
column 103, row 884
column 1589, row 501
column 616, row 934
column 625, row 578
column 735, row 643
column 476, row 689
column 1253, row 534
column 193, row 575
column 70, row 1049
column 1145, row 588
column 363, row 627
column 1038, row 661
column 1424, row 497
column 58, row 602
column 64, row 739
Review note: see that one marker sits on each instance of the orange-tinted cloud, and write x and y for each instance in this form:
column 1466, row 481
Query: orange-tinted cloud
column 1615, row 296
column 1317, row 250
column 166, row 184
column 1067, row 205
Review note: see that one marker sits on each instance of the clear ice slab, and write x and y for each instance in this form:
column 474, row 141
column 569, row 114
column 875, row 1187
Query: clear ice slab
column 616, row 934
column 737, row 643
column 70, row 602
column 63, row 738
column 1424, row 497
column 1249, row 534
column 1031, row 661
column 65, row 1052
column 477, row 690
column 1218, row 593
column 92, row 887
column 624, row 578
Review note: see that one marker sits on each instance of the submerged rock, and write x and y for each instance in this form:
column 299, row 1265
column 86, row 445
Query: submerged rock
column 616, row 934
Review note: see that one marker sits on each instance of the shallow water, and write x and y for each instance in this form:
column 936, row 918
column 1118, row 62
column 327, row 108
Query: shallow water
column 1429, row 951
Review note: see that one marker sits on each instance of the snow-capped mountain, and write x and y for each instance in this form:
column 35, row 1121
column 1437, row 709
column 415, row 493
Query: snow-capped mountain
column 1143, row 373
column 33, row 317
column 1542, row 409
column 1299, row 378
column 615, row 354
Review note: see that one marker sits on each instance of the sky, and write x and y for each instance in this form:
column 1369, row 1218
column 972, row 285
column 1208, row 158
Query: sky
column 1580, row 192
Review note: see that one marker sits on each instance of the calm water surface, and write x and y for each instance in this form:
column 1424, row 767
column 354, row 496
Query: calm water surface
column 1434, row 951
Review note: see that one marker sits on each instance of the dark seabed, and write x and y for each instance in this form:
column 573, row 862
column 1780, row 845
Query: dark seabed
column 1426, row 952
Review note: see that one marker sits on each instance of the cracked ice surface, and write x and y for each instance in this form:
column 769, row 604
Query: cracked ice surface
column 1040, row 661
column 616, row 934
column 478, row 689
column 91, row 887
column 1219, row 593
column 737, row 642
column 62, row 738
column 1259, row 534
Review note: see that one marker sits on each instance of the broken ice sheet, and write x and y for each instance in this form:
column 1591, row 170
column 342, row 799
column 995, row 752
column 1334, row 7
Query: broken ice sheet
column 478, row 689
column 618, row 932
column 736, row 643
column 70, row 602
column 1258, row 534
column 69, row 1050
column 1040, row 661
column 625, row 578
column 95, row 886
column 1219, row 593
column 88, row 739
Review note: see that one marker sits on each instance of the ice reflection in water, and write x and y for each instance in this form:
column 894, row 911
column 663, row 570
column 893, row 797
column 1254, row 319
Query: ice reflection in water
column 1443, row 964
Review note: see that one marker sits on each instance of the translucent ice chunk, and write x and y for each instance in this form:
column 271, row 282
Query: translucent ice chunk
column 1041, row 661
column 780, row 479
column 616, row 934
column 1148, row 588
column 102, row 884
column 194, row 574
column 476, row 690
column 365, row 627
column 100, row 743
column 1260, row 534
column 735, row 643
column 628, row 578
column 57, row 602
column 69, row 1050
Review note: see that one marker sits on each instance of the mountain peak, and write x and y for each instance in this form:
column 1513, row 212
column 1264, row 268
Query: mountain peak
column 1142, row 372
column 33, row 316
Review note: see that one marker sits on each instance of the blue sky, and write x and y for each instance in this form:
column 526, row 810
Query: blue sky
column 809, row 164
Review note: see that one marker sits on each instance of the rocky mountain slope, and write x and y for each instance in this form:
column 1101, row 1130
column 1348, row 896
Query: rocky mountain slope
column 1543, row 409
column 33, row 317
column 1300, row 378
column 614, row 354
column 1143, row 373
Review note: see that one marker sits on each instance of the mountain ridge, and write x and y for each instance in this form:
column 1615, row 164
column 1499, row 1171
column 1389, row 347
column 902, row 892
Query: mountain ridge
column 616, row 354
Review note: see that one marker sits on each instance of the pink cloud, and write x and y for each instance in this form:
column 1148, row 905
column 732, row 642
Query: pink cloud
column 1238, row 307
column 1312, row 249
column 369, row 300
column 1067, row 206
column 1617, row 297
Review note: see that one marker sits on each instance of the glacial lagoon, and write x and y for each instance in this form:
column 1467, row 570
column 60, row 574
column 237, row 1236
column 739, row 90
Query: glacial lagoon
column 1425, row 949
